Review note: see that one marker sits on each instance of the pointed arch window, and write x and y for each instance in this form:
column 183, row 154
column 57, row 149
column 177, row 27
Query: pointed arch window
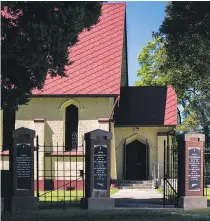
column 71, row 128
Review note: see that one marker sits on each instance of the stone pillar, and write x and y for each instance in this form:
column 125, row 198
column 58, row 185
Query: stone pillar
column 23, row 171
column 97, row 170
column 191, row 171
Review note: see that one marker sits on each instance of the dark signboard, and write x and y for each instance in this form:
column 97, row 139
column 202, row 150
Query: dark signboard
column 100, row 167
column 23, row 166
column 194, row 175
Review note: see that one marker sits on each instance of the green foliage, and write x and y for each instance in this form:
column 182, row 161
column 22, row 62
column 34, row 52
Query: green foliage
column 35, row 39
column 189, row 123
column 186, row 31
column 179, row 55
column 153, row 72
column 150, row 60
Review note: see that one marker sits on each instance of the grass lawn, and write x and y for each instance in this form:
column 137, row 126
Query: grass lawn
column 207, row 190
column 115, row 215
column 63, row 195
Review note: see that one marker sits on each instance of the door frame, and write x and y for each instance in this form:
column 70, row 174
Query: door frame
column 141, row 140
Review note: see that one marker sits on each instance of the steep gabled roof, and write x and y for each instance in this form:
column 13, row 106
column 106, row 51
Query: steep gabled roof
column 97, row 58
column 141, row 106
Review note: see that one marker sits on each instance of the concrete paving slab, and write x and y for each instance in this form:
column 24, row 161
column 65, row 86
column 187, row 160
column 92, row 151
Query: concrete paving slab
column 135, row 198
column 137, row 194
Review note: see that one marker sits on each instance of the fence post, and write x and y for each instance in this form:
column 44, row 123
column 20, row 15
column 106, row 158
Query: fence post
column 164, row 182
column 37, row 165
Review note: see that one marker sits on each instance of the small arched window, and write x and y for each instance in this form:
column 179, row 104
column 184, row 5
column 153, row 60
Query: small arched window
column 71, row 128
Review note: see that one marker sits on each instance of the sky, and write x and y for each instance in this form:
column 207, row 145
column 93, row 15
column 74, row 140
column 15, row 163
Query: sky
column 142, row 19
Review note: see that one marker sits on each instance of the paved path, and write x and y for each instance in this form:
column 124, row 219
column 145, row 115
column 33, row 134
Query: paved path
column 137, row 194
column 138, row 198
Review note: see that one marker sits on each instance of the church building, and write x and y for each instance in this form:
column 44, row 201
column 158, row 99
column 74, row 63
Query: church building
column 96, row 95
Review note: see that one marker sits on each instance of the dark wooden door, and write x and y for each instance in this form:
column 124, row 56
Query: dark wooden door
column 136, row 161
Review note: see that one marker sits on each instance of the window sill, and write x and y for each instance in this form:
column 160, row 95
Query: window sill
column 4, row 153
column 105, row 120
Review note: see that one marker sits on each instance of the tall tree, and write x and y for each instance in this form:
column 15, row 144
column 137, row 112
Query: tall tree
column 35, row 41
column 186, row 33
column 195, row 104
column 35, row 38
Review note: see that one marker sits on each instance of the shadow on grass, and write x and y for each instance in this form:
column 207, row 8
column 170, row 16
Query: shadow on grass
column 83, row 215
column 62, row 199
column 43, row 205
column 130, row 202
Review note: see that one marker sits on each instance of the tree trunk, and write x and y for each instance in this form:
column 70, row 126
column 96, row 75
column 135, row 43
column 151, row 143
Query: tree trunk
column 8, row 128
column 207, row 142
column 207, row 134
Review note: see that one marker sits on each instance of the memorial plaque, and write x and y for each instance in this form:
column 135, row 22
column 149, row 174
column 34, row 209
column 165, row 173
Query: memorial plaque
column 194, row 175
column 23, row 166
column 100, row 167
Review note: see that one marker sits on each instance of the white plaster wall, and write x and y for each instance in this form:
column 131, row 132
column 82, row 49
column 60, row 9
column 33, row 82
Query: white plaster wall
column 49, row 109
column 4, row 163
column 161, row 154
column 113, row 156
column 63, row 168
column 51, row 131
column 89, row 125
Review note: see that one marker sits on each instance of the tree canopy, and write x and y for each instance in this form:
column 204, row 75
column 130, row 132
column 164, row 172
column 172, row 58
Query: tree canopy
column 195, row 103
column 186, row 33
column 35, row 38
column 177, row 55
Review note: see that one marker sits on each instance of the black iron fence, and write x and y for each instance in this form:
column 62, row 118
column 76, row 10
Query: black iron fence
column 59, row 179
column 170, row 186
column 207, row 173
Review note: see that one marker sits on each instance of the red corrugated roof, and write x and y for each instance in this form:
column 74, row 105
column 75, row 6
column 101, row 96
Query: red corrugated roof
column 171, row 107
column 97, row 58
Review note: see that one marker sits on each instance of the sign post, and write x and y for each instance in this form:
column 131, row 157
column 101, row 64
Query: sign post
column 23, row 170
column 97, row 171
column 191, row 179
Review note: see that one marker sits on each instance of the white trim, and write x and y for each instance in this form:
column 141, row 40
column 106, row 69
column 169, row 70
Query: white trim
column 136, row 136
column 71, row 102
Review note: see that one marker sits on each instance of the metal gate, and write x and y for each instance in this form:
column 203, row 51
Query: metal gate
column 59, row 178
column 170, row 181
column 207, row 173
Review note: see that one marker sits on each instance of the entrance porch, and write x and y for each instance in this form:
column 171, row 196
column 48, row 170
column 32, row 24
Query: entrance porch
column 140, row 155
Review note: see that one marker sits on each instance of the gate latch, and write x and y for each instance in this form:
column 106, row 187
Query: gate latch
column 81, row 173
